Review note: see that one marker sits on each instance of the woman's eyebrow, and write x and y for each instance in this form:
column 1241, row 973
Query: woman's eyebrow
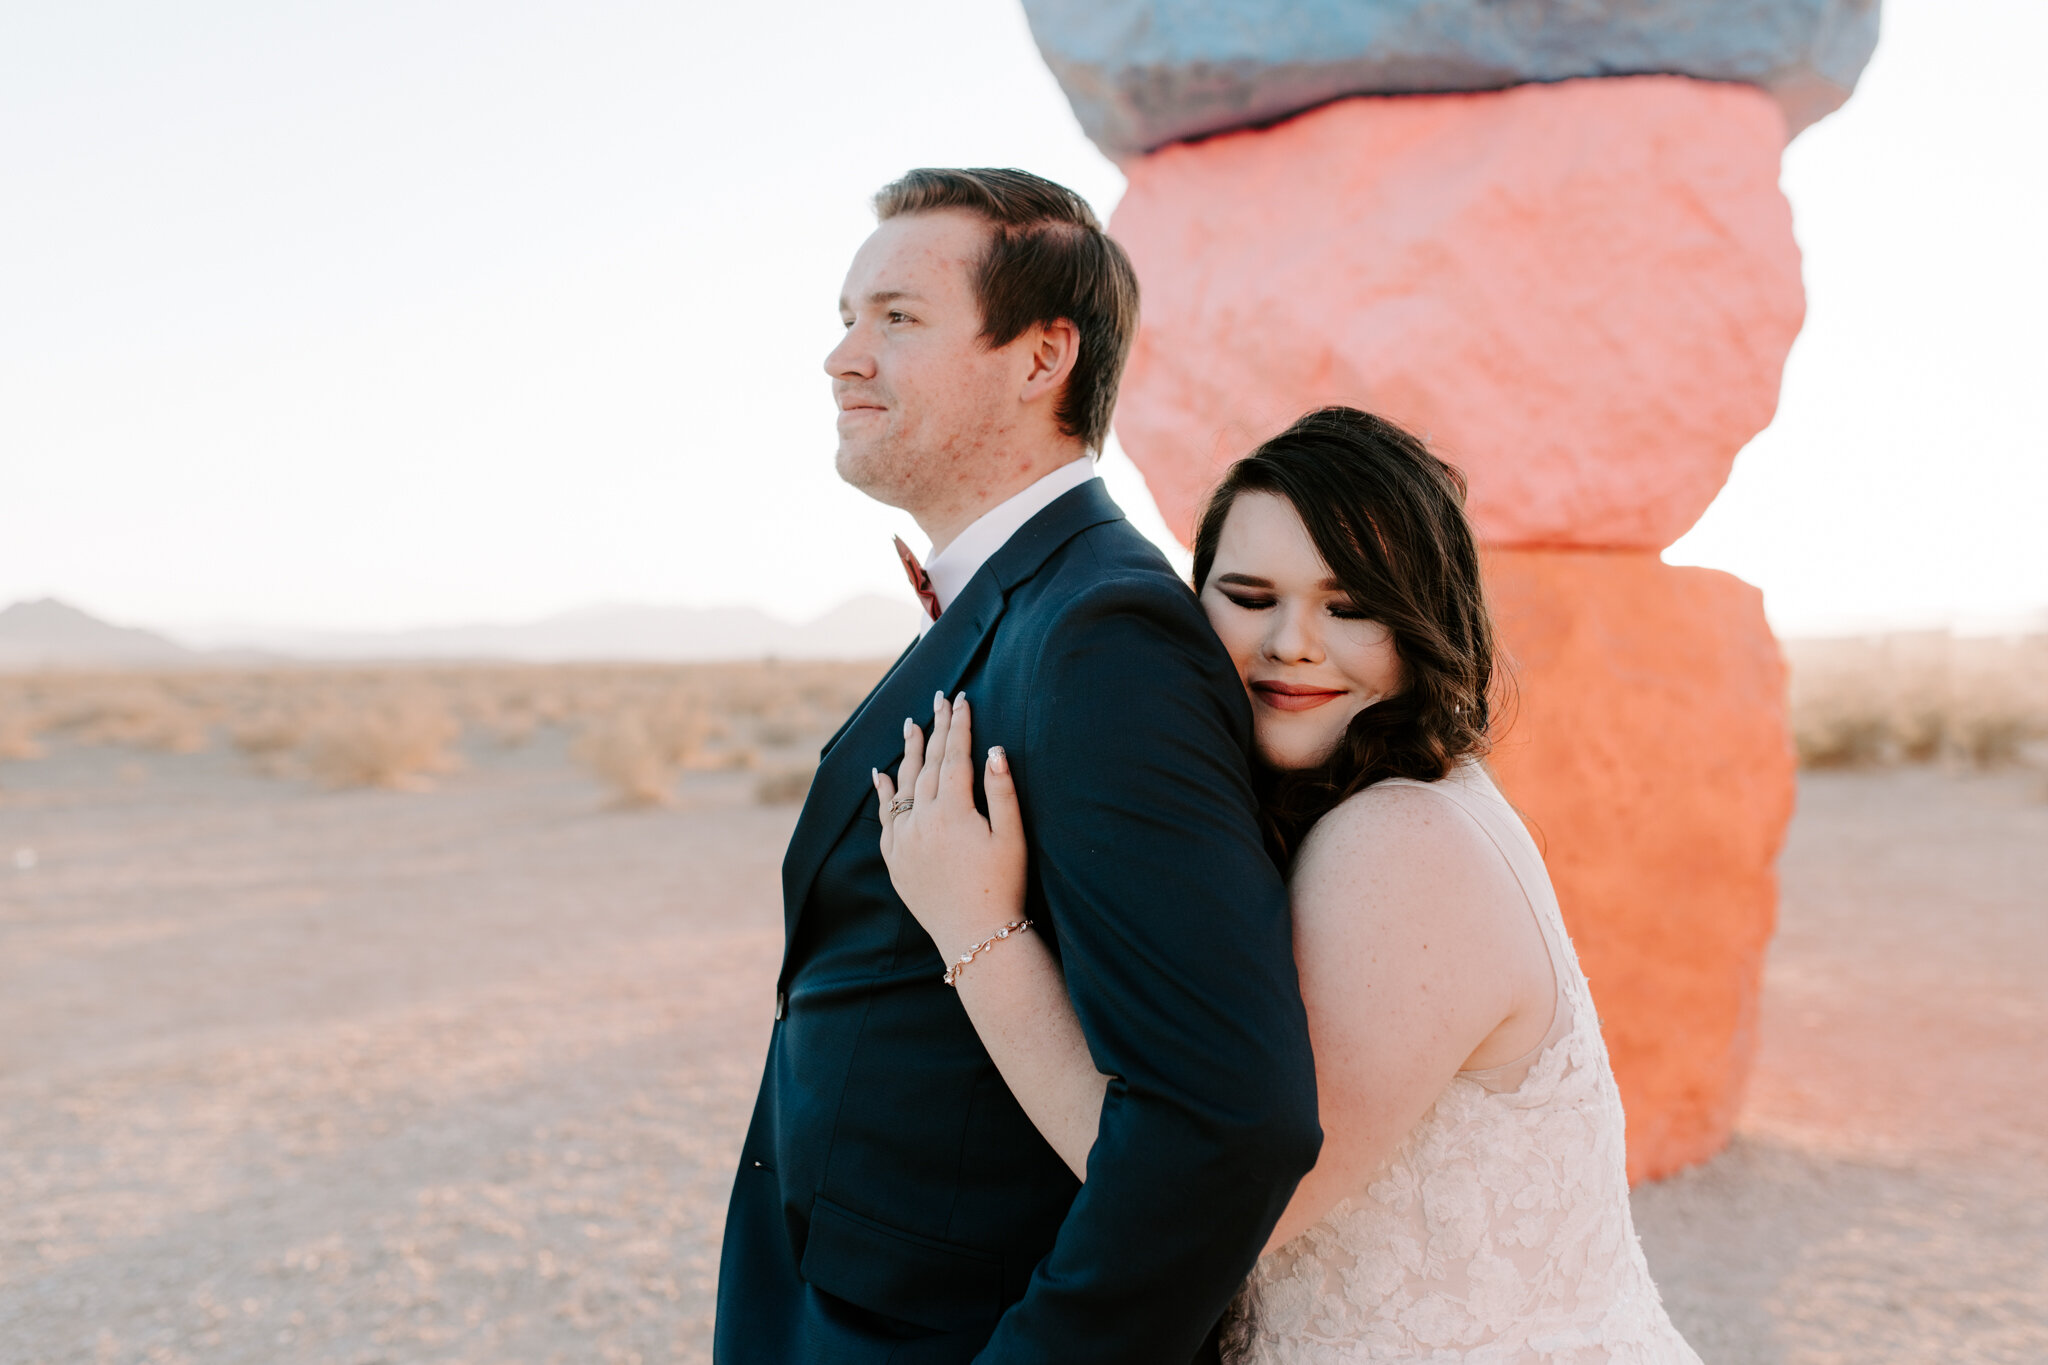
column 1245, row 580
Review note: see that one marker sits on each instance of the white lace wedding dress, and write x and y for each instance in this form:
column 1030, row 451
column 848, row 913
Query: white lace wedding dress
column 1500, row 1232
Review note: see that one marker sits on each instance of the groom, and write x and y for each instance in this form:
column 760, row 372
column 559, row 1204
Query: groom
column 893, row 1203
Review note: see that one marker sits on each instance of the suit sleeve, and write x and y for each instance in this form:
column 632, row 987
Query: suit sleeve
column 1172, row 926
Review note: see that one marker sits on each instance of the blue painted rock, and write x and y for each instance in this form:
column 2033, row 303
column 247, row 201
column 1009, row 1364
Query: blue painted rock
column 1142, row 73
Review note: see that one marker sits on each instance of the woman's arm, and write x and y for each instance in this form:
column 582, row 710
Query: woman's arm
column 1418, row 957
column 963, row 878
column 1416, row 950
column 1017, row 1001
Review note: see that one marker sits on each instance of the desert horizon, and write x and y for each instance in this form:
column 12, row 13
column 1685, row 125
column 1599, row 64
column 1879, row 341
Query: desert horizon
column 49, row 632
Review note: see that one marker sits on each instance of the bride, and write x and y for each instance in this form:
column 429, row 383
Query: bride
column 1470, row 1203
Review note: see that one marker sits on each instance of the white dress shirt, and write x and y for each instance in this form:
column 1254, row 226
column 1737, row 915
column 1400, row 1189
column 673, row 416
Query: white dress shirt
column 955, row 566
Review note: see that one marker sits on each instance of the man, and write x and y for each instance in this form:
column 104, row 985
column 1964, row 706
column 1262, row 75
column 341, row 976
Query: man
column 893, row 1203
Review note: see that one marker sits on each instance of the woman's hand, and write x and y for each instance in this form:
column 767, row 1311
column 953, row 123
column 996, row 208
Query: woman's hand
column 961, row 875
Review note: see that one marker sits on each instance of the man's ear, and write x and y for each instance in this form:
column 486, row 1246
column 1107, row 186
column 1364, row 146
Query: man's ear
column 1055, row 346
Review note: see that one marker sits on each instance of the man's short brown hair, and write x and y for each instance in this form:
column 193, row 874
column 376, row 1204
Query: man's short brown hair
column 1047, row 259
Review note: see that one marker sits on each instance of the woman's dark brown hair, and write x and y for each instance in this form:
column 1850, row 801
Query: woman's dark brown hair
column 1388, row 518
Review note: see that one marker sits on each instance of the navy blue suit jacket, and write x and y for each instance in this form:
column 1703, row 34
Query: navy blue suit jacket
column 893, row 1203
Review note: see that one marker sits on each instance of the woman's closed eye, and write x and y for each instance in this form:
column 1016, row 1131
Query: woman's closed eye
column 1343, row 610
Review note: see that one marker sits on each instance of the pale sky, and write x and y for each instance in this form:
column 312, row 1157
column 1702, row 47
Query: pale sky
column 372, row 315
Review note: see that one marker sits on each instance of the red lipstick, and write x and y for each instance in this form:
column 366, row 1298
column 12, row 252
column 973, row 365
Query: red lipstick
column 1293, row 696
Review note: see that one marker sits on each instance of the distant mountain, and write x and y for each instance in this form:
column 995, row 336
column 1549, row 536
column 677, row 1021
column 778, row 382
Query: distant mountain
column 53, row 634
column 863, row 628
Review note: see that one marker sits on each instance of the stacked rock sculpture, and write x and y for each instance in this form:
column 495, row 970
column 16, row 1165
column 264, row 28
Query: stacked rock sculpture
column 1546, row 235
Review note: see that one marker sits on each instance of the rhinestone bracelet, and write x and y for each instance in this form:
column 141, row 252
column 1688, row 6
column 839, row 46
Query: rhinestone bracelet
column 952, row 976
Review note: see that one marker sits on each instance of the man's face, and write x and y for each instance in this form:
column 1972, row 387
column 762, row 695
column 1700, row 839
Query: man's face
column 920, row 396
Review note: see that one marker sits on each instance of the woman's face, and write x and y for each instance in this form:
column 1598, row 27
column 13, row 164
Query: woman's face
column 1309, row 657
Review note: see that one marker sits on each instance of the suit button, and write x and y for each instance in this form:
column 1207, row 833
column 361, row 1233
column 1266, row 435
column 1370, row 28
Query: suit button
column 781, row 1005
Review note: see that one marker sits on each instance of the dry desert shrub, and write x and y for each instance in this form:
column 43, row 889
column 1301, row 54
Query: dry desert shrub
column 144, row 712
column 639, row 726
column 645, row 725
column 781, row 731
column 508, row 703
column 271, row 718
column 783, row 786
column 730, row 758
column 641, row 750
column 401, row 740
column 511, row 727
column 159, row 723
column 18, row 730
column 1918, row 697
column 498, row 715
column 268, row 732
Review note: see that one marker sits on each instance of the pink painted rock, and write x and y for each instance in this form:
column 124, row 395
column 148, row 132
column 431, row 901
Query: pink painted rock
column 1647, row 749
column 1582, row 294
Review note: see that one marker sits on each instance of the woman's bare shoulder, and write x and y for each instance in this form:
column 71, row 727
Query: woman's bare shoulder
column 1401, row 846
column 1413, row 820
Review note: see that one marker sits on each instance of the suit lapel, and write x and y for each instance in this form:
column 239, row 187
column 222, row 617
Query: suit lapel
column 873, row 738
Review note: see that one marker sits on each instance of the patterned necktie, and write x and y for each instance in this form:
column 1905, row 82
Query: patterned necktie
column 920, row 581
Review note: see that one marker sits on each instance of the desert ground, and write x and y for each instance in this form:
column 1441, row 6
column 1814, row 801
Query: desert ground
column 431, row 1038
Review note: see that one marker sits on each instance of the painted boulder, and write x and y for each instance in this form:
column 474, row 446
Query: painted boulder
column 1582, row 294
column 1142, row 73
column 1647, row 751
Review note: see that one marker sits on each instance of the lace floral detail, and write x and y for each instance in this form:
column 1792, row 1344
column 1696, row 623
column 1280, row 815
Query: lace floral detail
column 1500, row 1232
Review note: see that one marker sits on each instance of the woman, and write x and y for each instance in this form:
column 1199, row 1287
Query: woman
column 1471, row 1201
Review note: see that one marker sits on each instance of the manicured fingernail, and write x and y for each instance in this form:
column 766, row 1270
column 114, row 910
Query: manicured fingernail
column 998, row 761
column 906, row 727
column 960, row 699
column 938, row 700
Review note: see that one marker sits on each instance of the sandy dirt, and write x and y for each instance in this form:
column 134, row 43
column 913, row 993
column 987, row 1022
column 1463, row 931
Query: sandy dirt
column 289, row 1075
column 1887, row 1197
